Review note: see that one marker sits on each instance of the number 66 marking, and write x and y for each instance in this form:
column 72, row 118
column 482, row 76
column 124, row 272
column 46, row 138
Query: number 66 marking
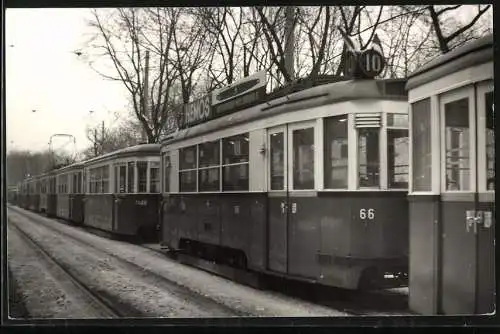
column 367, row 214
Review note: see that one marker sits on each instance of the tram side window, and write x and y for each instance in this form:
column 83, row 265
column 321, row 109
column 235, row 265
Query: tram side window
column 123, row 179
column 105, row 179
column 368, row 157
column 187, row 170
column 235, row 152
column 336, row 152
column 303, row 158
column 130, row 183
column 490, row 141
column 166, row 176
column 117, row 179
column 142, row 176
column 209, row 166
column 277, row 169
column 397, row 151
column 154, row 177
column 421, row 145
column 457, row 145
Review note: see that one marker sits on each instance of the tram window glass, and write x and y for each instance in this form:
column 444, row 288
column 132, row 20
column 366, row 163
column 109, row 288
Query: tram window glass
column 397, row 120
column 80, row 190
column 235, row 151
column 490, row 141
column 368, row 157
column 117, row 179
column 277, row 161
column 421, row 145
column 457, row 145
column 123, row 179
column 303, row 158
column 187, row 158
column 397, row 154
column 154, row 177
column 130, row 181
column 166, row 176
column 336, row 152
column 187, row 181
column 142, row 176
column 209, row 166
column 105, row 179
column 209, row 154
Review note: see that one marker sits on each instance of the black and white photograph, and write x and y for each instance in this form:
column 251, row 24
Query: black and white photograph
column 184, row 163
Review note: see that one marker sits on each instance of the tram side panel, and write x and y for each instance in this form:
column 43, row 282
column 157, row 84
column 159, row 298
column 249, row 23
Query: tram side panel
column 43, row 203
column 98, row 211
column 63, row 206
column 51, row 205
column 76, row 208
column 136, row 214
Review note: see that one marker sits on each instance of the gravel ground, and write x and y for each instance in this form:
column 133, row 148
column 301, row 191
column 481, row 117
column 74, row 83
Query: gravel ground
column 145, row 295
column 106, row 262
column 42, row 289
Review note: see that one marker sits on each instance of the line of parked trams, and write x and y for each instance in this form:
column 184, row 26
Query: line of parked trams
column 311, row 185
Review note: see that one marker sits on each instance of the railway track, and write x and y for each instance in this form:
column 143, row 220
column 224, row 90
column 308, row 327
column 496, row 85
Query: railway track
column 105, row 307
column 173, row 286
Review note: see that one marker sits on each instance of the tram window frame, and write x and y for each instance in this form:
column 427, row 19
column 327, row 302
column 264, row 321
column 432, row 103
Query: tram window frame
column 393, row 129
column 105, row 179
column 208, row 164
column 277, row 156
column 122, row 179
column 235, row 162
column 457, row 139
column 188, row 169
column 371, row 181
column 421, row 144
column 142, row 176
column 330, row 134
column 154, row 182
column 489, row 140
column 167, row 169
column 131, row 177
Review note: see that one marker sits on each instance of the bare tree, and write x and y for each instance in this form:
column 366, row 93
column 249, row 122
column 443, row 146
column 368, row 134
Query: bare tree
column 444, row 32
column 130, row 39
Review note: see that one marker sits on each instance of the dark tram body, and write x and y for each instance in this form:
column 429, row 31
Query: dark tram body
column 311, row 186
column 122, row 191
column 452, row 183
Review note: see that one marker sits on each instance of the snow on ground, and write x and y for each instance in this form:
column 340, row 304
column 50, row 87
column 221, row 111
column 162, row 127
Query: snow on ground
column 106, row 273
column 44, row 290
column 235, row 296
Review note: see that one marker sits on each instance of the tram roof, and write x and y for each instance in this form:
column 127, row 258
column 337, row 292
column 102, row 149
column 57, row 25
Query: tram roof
column 141, row 149
column 474, row 53
column 349, row 90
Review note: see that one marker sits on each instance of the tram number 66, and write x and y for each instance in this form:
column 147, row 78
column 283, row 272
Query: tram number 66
column 367, row 214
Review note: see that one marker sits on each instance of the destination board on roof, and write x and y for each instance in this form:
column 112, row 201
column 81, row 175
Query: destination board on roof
column 196, row 112
column 240, row 87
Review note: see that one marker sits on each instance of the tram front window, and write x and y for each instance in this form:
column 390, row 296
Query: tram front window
column 336, row 152
column 457, row 145
column 368, row 157
column 421, row 145
column 397, row 155
column 303, row 159
column 490, row 141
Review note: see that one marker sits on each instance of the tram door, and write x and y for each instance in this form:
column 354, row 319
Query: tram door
column 467, row 281
column 278, row 199
column 291, row 169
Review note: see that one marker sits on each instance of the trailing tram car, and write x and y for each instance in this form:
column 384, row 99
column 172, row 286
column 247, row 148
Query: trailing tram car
column 12, row 195
column 122, row 191
column 34, row 193
column 452, row 183
column 310, row 186
column 69, row 193
column 51, row 210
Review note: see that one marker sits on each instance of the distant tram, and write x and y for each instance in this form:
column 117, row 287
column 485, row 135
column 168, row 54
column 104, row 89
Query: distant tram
column 311, row 185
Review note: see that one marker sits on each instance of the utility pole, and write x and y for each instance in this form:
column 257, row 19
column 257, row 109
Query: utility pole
column 289, row 40
column 145, row 95
column 102, row 137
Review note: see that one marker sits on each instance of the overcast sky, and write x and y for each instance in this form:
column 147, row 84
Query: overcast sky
column 43, row 74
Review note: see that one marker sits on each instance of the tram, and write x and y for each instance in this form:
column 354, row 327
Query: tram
column 452, row 183
column 69, row 193
column 310, row 185
column 122, row 191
